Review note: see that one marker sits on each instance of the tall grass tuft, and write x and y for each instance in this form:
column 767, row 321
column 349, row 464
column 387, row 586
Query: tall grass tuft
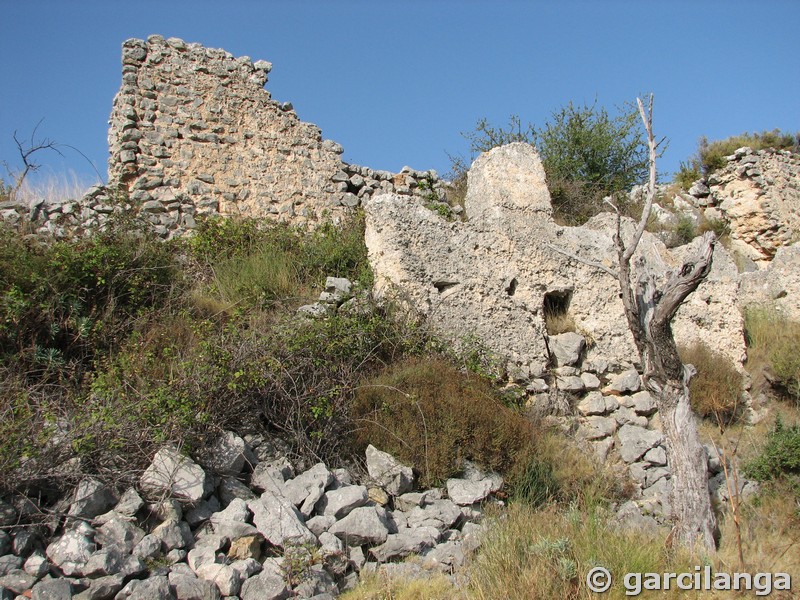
column 774, row 349
column 716, row 390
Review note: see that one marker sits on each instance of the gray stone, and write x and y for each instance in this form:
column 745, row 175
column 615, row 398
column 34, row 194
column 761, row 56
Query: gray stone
column 644, row 404
column 170, row 472
column 630, row 517
column 625, row 382
column 465, row 492
column 52, row 589
column 226, row 455
column 625, row 416
column 5, row 542
column 17, row 580
column 129, row 504
column 592, row 404
column 269, row 474
column 269, row 584
column 36, row 566
column 441, row 514
column 445, row 557
column 590, row 381
column 567, row 348
column 389, row 473
column 106, row 561
column 636, row 441
column 227, row 579
column 91, row 498
column 656, row 456
column 9, row 563
column 231, row 489
column 320, row 524
column 153, row 588
column 278, row 521
column 189, row 587
column 174, row 534
column 119, row 531
column 148, row 548
column 595, row 428
column 306, row 489
column 71, row 551
column 699, row 190
column 364, row 525
column 570, row 383
column 102, row 588
column 400, row 545
column 202, row 511
column 338, row 503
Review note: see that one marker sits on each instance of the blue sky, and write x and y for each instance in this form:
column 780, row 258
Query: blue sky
column 395, row 82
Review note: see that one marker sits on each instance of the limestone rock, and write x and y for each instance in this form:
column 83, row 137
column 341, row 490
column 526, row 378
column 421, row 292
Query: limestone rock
column 390, row 474
column 636, row 441
column 306, row 489
column 364, row 525
column 173, row 473
column 71, row 551
column 567, row 348
column 338, row 503
column 226, row 455
column 278, row 521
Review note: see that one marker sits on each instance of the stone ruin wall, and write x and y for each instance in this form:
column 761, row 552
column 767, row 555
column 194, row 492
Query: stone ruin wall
column 193, row 132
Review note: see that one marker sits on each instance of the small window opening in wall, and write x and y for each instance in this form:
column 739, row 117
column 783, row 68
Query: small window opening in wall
column 511, row 288
column 556, row 312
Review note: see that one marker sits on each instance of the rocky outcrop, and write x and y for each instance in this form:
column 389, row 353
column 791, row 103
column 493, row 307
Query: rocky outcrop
column 493, row 278
column 318, row 530
column 757, row 196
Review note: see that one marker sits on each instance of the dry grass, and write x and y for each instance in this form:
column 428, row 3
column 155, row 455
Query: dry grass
column 385, row 587
column 55, row 188
column 716, row 390
column 773, row 353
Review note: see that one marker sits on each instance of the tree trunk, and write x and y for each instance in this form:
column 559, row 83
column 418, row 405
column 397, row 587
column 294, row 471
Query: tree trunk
column 695, row 524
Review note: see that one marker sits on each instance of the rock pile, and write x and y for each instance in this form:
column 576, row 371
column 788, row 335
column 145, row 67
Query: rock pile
column 242, row 525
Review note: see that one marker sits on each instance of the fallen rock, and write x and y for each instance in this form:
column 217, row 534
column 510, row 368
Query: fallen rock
column 364, row 525
column 387, row 472
column 172, row 473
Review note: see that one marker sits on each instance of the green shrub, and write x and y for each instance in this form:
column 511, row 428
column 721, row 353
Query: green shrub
column 774, row 349
column 711, row 156
column 587, row 153
column 431, row 416
column 780, row 456
column 715, row 392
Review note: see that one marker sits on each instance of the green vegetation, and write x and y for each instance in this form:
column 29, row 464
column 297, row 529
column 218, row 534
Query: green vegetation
column 711, row 156
column 780, row 457
column 774, row 350
column 587, row 153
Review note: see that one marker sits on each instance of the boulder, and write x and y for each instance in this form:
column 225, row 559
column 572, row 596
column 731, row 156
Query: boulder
column 172, row 473
column 91, row 498
column 400, row 545
column 338, row 503
column 635, row 441
column 189, row 587
column 276, row 518
column 364, row 525
column 306, row 489
column 567, row 348
column 389, row 473
column 226, row 455
column 465, row 492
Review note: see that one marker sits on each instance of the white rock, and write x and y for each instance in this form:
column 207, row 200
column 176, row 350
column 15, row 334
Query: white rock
column 389, row 473
column 172, row 473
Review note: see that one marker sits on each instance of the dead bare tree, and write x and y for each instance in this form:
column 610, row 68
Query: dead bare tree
column 649, row 310
column 26, row 151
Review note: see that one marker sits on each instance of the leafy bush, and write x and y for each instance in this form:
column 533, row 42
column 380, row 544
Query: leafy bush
column 774, row 349
column 711, row 156
column 780, row 456
column 715, row 392
column 587, row 154
column 431, row 416
column 62, row 303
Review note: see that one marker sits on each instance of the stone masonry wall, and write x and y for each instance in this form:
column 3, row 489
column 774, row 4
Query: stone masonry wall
column 193, row 132
column 193, row 129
